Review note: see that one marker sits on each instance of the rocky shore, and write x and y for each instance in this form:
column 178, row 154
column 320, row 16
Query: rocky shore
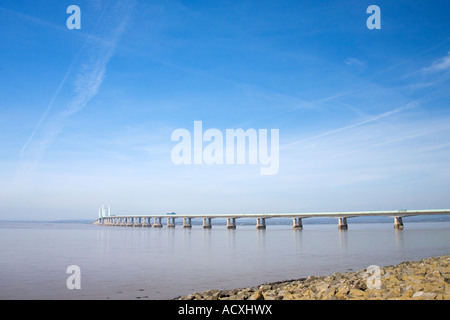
column 427, row 279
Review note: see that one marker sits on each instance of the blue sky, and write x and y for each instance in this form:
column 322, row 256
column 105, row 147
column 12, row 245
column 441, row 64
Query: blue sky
column 87, row 115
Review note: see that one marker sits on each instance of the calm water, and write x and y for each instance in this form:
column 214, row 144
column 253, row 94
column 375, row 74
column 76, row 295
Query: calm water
column 126, row 263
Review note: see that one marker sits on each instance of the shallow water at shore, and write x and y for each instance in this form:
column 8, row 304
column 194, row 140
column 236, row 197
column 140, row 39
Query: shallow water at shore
column 149, row 263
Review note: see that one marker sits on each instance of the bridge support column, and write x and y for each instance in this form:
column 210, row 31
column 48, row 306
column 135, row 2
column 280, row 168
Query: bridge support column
column 146, row 222
column 207, row 223
column 342, row 224
column 157, row 223
column 398, row 223
column 137, row 222
column 297, row 223
column 231, row 223
column 260, row 223
column 187, row 223
column 170, row 222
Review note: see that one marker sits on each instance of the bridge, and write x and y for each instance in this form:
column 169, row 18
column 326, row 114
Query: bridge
column 155, row 220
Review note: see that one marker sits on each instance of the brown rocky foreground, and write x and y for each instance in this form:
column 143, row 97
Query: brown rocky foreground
column 427, row 279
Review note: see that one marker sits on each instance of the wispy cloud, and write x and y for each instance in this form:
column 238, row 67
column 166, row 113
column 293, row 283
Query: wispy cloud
column 378, row 162
column 88, row 68
column 440, row 64
column 355, row 62
column 353, row 125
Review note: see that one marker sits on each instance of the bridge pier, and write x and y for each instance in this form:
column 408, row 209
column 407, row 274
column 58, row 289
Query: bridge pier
column 137, row 222
column 342, row 224
column 157, row 223
column 207, row 223
column 231, row 223
column 128, row 221
column 187, row 223
column 171, row 222
column 297, row 223
column 261, row 223
column 146, row 223
column 398, row 223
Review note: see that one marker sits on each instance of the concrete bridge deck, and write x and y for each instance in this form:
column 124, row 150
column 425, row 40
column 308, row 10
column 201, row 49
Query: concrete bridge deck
column 145, row 220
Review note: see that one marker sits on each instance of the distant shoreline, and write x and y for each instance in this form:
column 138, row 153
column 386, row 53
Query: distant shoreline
column 425, row 279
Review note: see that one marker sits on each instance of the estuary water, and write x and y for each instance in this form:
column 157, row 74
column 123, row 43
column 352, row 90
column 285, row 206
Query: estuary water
column 151, row 263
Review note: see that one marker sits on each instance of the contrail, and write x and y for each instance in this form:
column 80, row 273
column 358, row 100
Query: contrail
column 90, row 64
column 44, row 115
column 375, row 118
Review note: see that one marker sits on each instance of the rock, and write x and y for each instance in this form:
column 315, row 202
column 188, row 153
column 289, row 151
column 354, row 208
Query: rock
column 210, row 295
column 426, row 279
column 269, row 295
column 329, row 294
column 342, row 291
column 308, row 294
column 257, row 296
column 320, row 288
column 392, row 293
column 223, row 294
column 424, row 295
column 358, row 294
column 298, row 296
column 407, row 294
column 310, row 279
column 188, row 297
column 265, row 287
